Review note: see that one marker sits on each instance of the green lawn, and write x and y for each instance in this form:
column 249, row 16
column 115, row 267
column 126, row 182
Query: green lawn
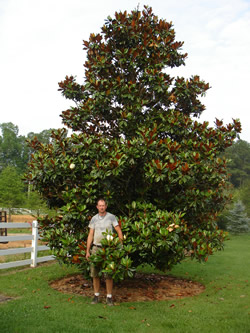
column 22, row 256
column 224, row 307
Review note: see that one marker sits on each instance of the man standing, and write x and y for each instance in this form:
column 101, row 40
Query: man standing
column 101, row 222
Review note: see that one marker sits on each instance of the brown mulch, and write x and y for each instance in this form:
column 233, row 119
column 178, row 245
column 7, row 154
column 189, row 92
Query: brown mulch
column 143, row 287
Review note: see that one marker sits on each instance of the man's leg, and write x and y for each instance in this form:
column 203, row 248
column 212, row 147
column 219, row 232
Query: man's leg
column 96, row 280
column 109, row 289
column 96, row 284
column 109, row 286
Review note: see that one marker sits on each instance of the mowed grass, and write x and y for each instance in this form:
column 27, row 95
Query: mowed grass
column 22, row 256
column 223, row 307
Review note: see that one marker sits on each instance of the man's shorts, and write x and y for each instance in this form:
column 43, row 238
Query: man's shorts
column 94, row 270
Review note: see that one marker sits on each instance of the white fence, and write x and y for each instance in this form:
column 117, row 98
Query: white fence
column 20, row 211
column 34, row 260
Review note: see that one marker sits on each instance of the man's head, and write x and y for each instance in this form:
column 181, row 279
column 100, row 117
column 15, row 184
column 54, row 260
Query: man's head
column 101, row 206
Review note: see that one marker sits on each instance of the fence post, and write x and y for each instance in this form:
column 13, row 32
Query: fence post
column 34, row 243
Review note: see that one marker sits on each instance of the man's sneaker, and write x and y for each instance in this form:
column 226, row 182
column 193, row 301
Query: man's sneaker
column 95, row 300
column 109, row 301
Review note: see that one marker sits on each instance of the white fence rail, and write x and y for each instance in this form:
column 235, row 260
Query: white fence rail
column 34, row 260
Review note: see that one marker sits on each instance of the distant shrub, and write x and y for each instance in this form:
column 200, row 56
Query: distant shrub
column 237, row 220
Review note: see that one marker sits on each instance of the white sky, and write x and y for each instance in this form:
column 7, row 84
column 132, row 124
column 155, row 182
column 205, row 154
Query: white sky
column 41, row 43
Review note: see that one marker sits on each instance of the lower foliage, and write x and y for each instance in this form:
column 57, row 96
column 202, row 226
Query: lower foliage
column 152, row 236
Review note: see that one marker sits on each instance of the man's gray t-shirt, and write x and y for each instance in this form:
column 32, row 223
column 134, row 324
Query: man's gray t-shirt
column 102, row 224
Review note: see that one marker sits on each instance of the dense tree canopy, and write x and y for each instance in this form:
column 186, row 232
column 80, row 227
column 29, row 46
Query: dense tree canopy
column 139, row 143
column 239, row 164
column 14, row 157
column 11, row 189
column 13, row 149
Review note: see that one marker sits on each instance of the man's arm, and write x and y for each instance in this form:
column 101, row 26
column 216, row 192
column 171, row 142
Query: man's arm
column 89, row 242
column 119, row 232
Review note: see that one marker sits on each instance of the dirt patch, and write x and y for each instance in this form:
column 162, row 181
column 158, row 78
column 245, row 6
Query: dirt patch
column 10, row 245
column 22, row 218
column 5, row 298
column 143, row 287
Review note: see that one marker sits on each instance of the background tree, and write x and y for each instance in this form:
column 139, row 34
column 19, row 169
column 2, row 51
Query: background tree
column 15, row 153
column 237, row 220
column 239, row 165
column 35, row 203
column 13, row 148
column 238, row 156
column 11, row 189
column 43, row 137
column 139, row 145
column 243, row 194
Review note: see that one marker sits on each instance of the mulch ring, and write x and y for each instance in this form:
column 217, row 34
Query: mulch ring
column 143, row 287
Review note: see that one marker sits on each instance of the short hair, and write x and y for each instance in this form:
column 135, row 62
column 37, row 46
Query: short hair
column 102, row 199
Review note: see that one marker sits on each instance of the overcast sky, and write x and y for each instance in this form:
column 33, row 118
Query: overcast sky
column 41, row 43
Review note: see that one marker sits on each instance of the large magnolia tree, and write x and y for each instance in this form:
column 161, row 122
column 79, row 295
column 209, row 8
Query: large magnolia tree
column 137, row 142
